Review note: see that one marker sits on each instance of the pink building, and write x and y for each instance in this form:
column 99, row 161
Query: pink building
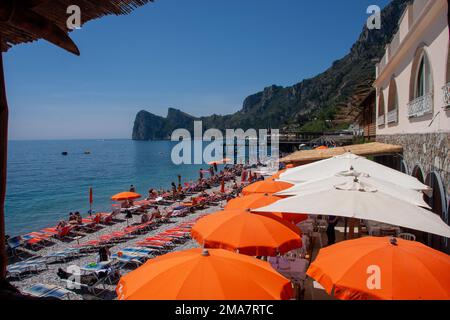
column 413, row 100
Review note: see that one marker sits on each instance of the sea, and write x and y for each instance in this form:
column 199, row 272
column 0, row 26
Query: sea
column 43, row 185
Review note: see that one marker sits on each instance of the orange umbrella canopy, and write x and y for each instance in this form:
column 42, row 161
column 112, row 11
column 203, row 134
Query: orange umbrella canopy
column 251, row 201
column 258, row 200
column 383, row 268
column 250, row 234
column 277, row 175
column 125, row 196
column 266, row 186
column 198, row 274
column 223, row 161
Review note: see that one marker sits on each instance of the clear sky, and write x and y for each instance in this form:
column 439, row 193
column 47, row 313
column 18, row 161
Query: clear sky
column 202, row 56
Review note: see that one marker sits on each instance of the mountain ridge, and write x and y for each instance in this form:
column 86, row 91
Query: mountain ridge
column 325, row 102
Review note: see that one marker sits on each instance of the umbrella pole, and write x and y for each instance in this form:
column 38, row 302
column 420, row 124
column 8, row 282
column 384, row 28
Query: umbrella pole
column 345, row 229
column 3, row 163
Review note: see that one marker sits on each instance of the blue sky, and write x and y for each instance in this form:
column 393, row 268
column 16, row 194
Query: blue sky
column 202, row 56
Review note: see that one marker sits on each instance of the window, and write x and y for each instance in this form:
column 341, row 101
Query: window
column 392, row 116
column 381, row 117
column 423, row 78
column 421, row 86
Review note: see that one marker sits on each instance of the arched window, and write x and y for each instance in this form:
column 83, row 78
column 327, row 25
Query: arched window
column 392, row 116
column 447, row 85
column 437, row 202
column 421, row 86
column 418, row 174
column 381, row 117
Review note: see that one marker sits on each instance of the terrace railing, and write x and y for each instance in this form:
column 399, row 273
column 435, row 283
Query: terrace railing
column 381, row 120
column 392, row 116
column 421, row 106
column 446, row 93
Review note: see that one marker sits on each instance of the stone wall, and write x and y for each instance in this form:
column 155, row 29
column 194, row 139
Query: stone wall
column 431, row 151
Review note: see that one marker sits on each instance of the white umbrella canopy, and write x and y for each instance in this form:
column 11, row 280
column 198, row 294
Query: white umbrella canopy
column 329, row 167
column 356, row 199
column 412, row 196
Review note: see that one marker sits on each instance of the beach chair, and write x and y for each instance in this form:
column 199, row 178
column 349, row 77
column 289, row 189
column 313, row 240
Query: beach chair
column 62, row 233
column 126, row 258
column 35, row 264
column 14, row 244
column 47, row 291
column 106, row 218
column 63, row 255
column 407, row 236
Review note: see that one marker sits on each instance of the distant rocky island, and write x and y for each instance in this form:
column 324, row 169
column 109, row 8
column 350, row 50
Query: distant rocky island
column 309, row 105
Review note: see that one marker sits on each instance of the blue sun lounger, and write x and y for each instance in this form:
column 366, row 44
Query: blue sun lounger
column 129, row 258
column 30, row 265
column 48, row 291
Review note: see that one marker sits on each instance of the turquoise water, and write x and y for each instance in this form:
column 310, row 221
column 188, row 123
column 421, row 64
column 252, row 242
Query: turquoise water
column 44, row 186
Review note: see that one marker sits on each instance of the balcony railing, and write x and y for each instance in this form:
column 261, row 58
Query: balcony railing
column 381, row 120
column 392, row 116
column 446, row 91
column 421, row 106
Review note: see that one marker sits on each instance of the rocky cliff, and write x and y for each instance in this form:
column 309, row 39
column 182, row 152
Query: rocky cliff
column 325, row 102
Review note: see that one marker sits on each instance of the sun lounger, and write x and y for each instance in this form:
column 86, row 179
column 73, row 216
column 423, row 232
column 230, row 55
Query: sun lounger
column 47, row 291
column 63, row 255
column 14, row 244
column 62, row 233
column 87, row 282
column 27, row 266
column 129, row 258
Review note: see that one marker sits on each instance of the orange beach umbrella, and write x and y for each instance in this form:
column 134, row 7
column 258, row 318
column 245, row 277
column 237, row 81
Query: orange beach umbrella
column 259, row 200
column 266, row 186
column 382, row 268
column 125, row 196
column 251, row 201
column 198, row 274
column 223, row 161
column 277, row 175
column 246, row 232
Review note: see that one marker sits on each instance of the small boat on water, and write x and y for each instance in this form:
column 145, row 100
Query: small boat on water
column 64, row 153
column 87, row 152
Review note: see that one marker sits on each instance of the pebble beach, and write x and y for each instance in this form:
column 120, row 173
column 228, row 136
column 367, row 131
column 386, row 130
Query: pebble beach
column 50, row 277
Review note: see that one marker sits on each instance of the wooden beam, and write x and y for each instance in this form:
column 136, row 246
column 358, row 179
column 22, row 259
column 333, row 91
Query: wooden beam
column 3, row 159
column 21, row 16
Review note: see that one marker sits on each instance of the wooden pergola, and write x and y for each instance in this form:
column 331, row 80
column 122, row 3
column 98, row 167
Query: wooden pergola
column 24, row 21
column 367, row 149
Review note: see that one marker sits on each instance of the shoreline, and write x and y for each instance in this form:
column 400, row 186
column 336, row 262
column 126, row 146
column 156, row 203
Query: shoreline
column 50, row 277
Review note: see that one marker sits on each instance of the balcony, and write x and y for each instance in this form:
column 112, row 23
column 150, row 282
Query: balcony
column 421, row 106
column 392, row 116
column 446, row 94
column 380, row 121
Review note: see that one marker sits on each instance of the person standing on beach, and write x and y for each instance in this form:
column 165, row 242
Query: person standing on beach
column 331, row 233
column 174, row 191
column 132, row 188
column 215, row 166
column 244, row 175
column 179, row 179
column 200, row 173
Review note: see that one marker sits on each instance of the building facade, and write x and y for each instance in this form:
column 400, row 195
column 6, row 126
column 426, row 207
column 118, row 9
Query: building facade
column 413, row 101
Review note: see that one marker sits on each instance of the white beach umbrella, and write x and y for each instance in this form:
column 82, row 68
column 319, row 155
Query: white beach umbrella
column 329, row 167
column 356, row 199
column 412, row 196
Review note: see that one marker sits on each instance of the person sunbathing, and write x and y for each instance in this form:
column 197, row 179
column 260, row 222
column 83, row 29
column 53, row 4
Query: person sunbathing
column 79, row 218
column 61, row 224
column 145, row 218
column 155, row 214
